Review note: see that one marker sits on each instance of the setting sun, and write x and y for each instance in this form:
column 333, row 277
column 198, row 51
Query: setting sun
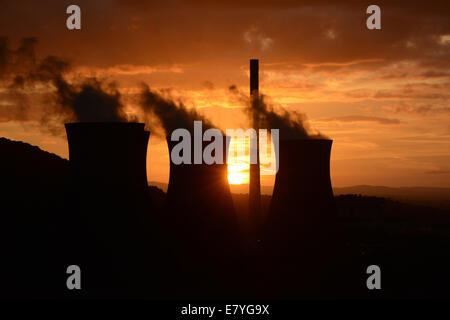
column 237, row 177
column 238, row 164
column 238, row 172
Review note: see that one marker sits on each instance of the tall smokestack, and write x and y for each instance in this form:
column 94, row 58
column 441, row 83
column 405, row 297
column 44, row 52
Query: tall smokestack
column 254, row 183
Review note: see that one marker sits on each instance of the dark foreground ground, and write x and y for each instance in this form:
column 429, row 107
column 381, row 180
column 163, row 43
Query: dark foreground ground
column 41, row 237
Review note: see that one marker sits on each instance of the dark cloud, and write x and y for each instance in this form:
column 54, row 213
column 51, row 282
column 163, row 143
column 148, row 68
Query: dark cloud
column 158, row 32
column 435, row 74
column 438, row 172
column 418, row 108
column 357, row 118
column 208, row 85
column 432, row 92
column 410, row 94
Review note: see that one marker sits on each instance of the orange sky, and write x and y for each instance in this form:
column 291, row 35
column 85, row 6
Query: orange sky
column 382, row 96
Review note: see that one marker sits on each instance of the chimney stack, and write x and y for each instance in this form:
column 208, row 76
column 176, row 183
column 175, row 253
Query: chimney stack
column 254, row 76
column 254, row 183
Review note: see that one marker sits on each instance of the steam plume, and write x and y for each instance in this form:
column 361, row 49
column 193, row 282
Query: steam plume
column 292, row 125
column 171, row 114
column 55, row 100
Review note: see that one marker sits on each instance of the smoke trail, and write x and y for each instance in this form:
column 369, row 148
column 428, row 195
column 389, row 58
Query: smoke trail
column 18, row 61
column 171, row 114
column 40, row 91
column 292, row 125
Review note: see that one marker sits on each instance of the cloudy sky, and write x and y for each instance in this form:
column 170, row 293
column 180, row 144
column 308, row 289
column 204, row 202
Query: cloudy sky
column 381, row 95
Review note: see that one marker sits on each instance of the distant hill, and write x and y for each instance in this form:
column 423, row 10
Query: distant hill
column 236, row 189
column 161, row 185
column 428, row 196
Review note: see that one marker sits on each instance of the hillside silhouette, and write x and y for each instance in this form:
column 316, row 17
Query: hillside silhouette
column 33, row 190
column 425, row 196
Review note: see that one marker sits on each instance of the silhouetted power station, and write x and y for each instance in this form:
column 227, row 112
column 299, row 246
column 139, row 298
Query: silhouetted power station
column 96, row 214
column 109, row 191
column 108, row 172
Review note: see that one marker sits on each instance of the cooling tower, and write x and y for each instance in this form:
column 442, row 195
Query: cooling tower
column 302, row 201
column 199, row 199
column 109, row 193
column 108, row 173
column 300, row 238
column 202, row 223
column 109, row 154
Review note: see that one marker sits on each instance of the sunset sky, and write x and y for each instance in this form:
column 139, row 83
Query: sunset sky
column 381, row 95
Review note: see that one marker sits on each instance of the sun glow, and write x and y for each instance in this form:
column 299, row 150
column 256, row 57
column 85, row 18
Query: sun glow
column 239, row 165
column 237, row 178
